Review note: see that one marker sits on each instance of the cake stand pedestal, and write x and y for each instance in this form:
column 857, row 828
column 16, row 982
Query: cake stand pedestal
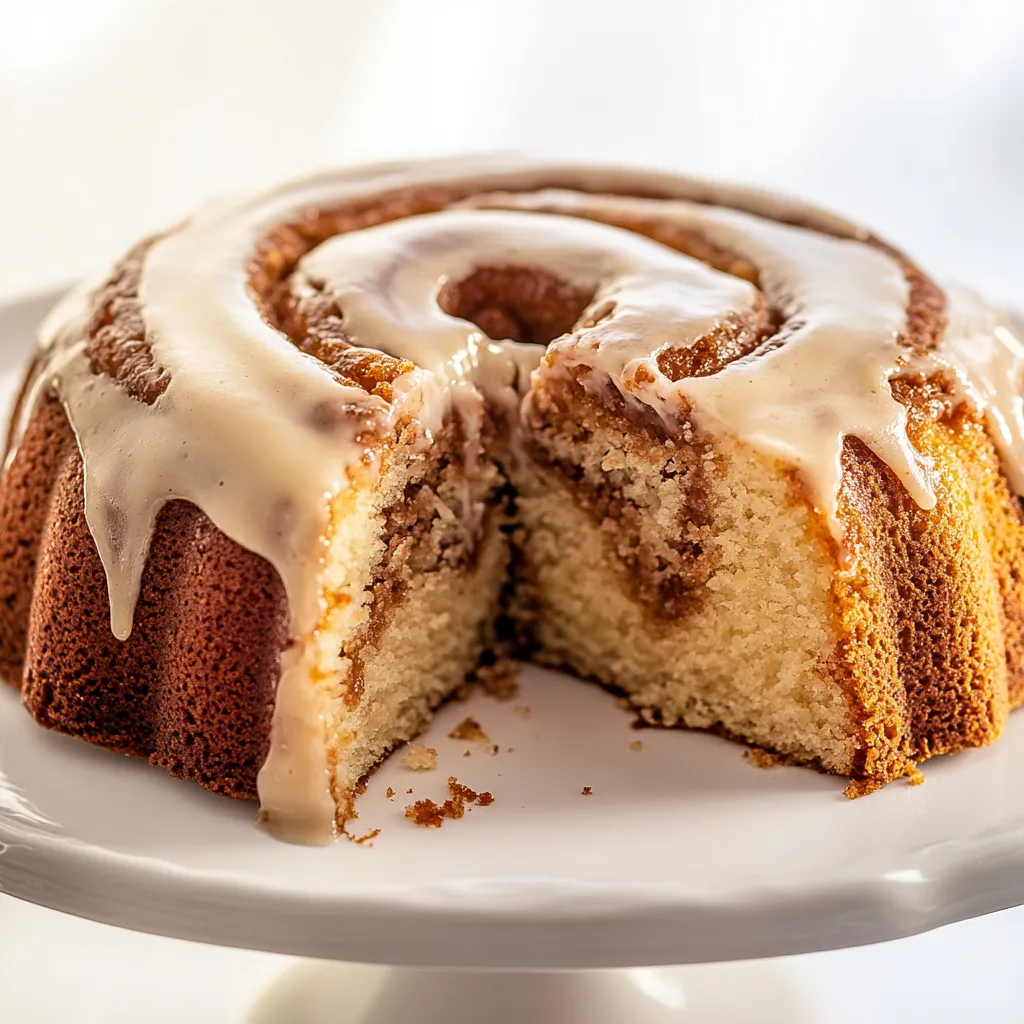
column 607, row 852
column 702, row 994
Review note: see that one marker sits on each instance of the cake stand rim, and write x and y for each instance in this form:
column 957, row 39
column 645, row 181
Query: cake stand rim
column 522, row 924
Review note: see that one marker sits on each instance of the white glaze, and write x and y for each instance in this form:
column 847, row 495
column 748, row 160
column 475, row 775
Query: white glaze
column 233, row 431
column 387, row 281
column 986, row 352
column 844, row 305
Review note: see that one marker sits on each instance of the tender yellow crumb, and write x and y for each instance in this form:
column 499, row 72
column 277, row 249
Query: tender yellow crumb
column 419, row 758
column 636, row 745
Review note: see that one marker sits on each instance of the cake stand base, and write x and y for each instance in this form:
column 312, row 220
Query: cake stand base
column 320, row 992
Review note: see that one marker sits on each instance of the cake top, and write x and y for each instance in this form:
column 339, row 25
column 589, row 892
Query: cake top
column 259, row 358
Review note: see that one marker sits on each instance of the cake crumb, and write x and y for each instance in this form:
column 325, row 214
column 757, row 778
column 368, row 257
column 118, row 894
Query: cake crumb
column 469, row 729
column 499, row 680
column 419, row 758
column 409, row 790
column 467, row 753
column 760, row 758
column 430, row 814
column 587, row 791
column 861, row 787
column 523, row 712
column 914, row 777
column 636, row 746
column 494, row 750
column 426, row 813
column 364, row 840
column 510, row 750
column 390, row 793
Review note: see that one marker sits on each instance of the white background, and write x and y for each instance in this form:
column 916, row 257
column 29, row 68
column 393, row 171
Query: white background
column 118, row 116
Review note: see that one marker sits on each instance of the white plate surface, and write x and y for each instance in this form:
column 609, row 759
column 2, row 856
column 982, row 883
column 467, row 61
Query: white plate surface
column 684, row 852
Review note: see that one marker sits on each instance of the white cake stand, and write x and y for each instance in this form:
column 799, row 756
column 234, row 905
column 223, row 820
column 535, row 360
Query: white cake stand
column 549, row 905
column 684, row 853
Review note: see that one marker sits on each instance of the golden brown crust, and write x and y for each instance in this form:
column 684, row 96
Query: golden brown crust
column 192, row 688
column 921, row 645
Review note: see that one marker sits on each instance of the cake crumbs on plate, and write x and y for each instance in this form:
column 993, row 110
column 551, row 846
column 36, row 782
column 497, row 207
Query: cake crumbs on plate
column 431, row 814
column 636, row 746
column 586, row 791
column 467, row 753
column 469, row 729
column 419, row 758
column 363, row 840
column 523, row 712
column 390, row 793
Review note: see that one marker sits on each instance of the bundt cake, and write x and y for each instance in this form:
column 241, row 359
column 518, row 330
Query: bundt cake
column 278, row 482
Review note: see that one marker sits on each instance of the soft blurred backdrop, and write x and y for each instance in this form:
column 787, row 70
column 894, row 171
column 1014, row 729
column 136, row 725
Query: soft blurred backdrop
column 118, row 116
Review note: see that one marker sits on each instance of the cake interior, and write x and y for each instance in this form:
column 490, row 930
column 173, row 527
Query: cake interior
column 689, row 574
column 413, row 575
column 723, row 619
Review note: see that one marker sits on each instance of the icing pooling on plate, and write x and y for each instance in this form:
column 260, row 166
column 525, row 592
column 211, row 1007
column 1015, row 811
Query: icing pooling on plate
column 234, row 432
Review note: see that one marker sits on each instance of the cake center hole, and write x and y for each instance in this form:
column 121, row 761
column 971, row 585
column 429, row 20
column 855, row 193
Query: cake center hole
column 516, row 303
